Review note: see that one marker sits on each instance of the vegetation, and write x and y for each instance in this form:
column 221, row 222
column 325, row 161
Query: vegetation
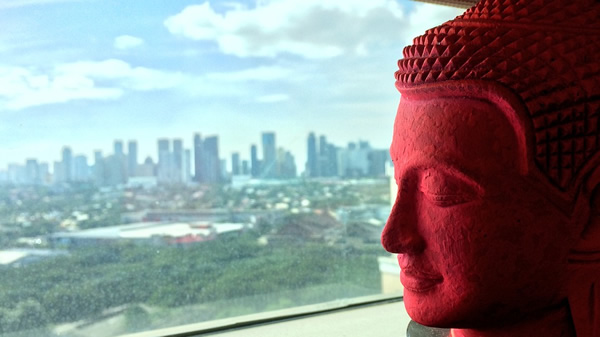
column 93, row 280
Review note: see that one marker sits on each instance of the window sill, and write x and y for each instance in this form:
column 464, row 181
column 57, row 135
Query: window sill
column 380, row 315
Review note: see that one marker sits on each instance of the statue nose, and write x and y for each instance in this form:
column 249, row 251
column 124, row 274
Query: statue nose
column 401, row 232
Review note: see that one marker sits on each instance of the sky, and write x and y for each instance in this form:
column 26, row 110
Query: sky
column 83, row 73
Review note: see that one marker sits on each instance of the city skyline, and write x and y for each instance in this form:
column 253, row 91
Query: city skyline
column 147, row 70
column 202, row 163
column 108, row 149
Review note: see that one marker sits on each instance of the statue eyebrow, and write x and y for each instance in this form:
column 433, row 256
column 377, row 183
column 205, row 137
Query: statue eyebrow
column 444, row 167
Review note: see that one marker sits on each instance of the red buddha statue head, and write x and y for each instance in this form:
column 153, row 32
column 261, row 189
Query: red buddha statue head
column 496, row 150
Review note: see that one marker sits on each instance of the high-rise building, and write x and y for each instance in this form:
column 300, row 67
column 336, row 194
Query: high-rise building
column 245, row 167
column 177, row 174
column 31, row 170
column 187, row 166
column 377, row 162
column 211, row 159
column 269, row 162
column 165, row 158
column 99, row 171
column 198, row 155
column 132, row 158
column 291, row 170
column 57, row 169
column 255, row 163
column 330, row 159
column 286, row 164
column 118, row 147
column 115, row 172
column 147, row 168
column 353, row 161
column 80, row 168
column 312, row 162
column 44, row 173
column 235, row 164
column 17, row 173
column 67, row 164
column 224, row 175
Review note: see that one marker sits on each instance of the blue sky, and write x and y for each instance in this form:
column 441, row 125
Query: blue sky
column 85, row 72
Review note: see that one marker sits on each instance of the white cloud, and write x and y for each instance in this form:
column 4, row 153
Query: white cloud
column 121, row 72
column 21, row 87
column 123, row 42
column 110, row 79
column 273, row 98
column 313, row 29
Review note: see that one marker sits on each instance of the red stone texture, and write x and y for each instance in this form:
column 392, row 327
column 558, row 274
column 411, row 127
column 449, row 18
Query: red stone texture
column 547, row 52
column 496, row 152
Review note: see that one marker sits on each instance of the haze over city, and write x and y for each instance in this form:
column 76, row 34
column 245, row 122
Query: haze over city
column 149, row 70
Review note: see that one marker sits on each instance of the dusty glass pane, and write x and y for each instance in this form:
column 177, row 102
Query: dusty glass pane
column 166, row 163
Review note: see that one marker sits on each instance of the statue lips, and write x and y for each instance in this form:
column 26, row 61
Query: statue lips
column 418, row 282
column 416, row 279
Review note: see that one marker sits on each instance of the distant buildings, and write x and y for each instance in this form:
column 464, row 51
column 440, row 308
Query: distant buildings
column 175, row 164
column 354, row 161
column 207, row 165
column 235, row 164
column 254, row 161
column 158, row 233
column 269, row 161
column 132, row 158
column 312, row 162
column 207, row 161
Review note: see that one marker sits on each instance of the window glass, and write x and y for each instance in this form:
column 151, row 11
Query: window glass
column 174, row 162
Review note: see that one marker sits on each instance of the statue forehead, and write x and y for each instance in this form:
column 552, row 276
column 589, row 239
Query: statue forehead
column 470, row 133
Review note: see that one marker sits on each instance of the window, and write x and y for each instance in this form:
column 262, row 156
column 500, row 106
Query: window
column 167, row 163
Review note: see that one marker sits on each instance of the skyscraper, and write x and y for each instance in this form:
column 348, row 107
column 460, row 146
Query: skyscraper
column 31, row 170
column 245, row 168
column 286, row 164
column 118, row 148
column 269, row 164
column 132, row 158
column 187, row 163
column 80, row 168
column 114, row 170
column 99, row 168
column 198, row 169
column 312, row 162
column 177, row 174
column 255, row 163
column 378, row 160
column 235, row 164
column 211, row 159
column 67, row 164
column 164, row 161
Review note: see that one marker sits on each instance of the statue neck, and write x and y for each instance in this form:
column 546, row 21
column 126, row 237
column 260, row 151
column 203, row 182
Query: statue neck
column 555, row 323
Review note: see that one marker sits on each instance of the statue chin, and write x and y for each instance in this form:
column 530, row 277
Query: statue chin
column 496, row 153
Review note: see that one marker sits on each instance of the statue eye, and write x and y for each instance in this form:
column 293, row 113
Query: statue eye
column 447, row 200
column 446, row 190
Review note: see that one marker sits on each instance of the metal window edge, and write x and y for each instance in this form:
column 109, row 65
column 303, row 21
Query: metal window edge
column 271, row 317
column 452, row 3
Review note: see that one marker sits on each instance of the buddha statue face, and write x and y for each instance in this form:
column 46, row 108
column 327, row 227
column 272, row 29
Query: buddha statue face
column 496, row 151
column 478, row 242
